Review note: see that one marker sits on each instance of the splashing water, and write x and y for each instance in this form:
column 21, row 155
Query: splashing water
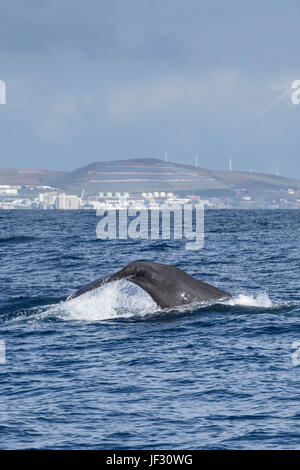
column 262, row 300
column 96, row 370
column 114, row 300
column 122, row 299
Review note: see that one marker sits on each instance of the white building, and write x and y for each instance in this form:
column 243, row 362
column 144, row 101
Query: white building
column 6, row 189
column 64, row 201
column 47, row 199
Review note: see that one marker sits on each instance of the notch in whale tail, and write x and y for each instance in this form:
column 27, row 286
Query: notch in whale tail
column 167, row 285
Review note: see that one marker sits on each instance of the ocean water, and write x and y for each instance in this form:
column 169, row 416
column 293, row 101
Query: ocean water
column 111, row 370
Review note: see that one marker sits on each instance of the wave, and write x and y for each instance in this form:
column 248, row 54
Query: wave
column 122, row 300
column 262, row 300
column 18, row 239
column 118, row 299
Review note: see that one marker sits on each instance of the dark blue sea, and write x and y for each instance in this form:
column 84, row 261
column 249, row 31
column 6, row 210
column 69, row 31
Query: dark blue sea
column 110, row 370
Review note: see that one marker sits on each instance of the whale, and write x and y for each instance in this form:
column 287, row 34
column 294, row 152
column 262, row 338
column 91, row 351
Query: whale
column 168, row 286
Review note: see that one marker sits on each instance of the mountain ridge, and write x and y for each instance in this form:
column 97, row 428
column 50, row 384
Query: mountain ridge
column 150, row 174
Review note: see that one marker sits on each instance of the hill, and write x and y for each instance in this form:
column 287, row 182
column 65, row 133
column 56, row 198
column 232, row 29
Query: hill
column 147, row 174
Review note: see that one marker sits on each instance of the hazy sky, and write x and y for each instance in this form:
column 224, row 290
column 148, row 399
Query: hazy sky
column 110, row 79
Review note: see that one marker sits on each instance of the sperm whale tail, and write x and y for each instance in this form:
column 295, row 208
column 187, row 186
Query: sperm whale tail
column 167, row 285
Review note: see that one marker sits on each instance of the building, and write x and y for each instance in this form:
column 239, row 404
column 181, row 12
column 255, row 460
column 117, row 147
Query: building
column 47, row 200
column 67, row 202
column 6, row 189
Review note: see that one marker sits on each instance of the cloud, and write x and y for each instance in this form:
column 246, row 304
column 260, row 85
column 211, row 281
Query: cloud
column 109, row 78
column 163, row 46
column 34, row 27
column 220, row 94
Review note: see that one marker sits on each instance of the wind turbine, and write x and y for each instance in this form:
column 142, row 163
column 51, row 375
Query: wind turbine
column 196, row 159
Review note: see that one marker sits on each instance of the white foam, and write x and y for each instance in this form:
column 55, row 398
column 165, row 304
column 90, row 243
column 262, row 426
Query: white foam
column 122, row 299
column 262, row 300
column 118, row 299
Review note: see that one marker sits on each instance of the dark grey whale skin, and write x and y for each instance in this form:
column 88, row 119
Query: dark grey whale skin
column 168, row 286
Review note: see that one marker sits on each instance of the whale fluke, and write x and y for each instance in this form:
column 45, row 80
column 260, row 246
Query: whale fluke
column 168, row 286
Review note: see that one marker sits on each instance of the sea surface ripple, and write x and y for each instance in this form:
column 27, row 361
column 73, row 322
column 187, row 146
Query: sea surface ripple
column 110, row 370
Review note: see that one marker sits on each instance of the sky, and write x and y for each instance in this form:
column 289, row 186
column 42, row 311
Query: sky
column 104, row 80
